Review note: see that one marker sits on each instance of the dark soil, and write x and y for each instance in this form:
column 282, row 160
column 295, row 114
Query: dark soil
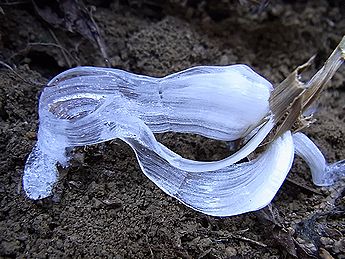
column 103, row 205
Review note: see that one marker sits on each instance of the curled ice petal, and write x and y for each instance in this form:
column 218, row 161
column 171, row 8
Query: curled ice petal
column 207, row 100
column 89, row 105
column 322, row 173
column 232, row 190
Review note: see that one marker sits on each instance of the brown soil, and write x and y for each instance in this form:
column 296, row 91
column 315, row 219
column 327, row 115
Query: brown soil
column 103, row 205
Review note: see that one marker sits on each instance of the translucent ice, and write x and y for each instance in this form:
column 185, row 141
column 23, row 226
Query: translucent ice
column 89, row 105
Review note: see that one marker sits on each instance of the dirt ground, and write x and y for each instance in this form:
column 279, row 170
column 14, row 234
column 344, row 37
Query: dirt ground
column 103, row 205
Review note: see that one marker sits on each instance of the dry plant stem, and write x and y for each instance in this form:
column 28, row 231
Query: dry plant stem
column 303, row 186
column 292, row 97
column 15, row 3
column 18, row 75
column 284, row 97
column 242, row 238
column 64, row 52
column 318, row 82
column 99, row 41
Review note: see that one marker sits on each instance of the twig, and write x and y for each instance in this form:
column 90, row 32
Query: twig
column 306, row 188
column 98, row 38
column 14, row 3
column 63, row 50
column 148, row 244
column 242, row 238
column 31, row 44
column 18, row 75
column 151, row 222
column 249, row 240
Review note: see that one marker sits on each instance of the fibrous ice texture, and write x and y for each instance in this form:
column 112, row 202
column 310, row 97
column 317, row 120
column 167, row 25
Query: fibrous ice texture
column 89, row 105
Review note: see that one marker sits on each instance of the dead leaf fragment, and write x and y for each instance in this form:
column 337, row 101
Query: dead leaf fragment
column 324, row 254
column 72, row 16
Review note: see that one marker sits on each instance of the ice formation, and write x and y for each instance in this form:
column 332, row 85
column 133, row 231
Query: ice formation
column 89, row 105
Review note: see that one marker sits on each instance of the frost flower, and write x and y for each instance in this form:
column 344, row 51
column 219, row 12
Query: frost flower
column 89, row 105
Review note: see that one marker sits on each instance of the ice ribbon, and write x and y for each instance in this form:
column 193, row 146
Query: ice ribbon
column 323, row 174
column 89, row 105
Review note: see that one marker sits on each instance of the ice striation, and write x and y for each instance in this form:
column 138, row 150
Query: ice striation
column 89, row 105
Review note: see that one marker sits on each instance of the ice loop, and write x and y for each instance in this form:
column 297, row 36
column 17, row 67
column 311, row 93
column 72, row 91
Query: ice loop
column 89, row 105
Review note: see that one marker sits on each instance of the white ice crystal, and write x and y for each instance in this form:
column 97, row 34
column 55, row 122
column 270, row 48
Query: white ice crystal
column 89, row 105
